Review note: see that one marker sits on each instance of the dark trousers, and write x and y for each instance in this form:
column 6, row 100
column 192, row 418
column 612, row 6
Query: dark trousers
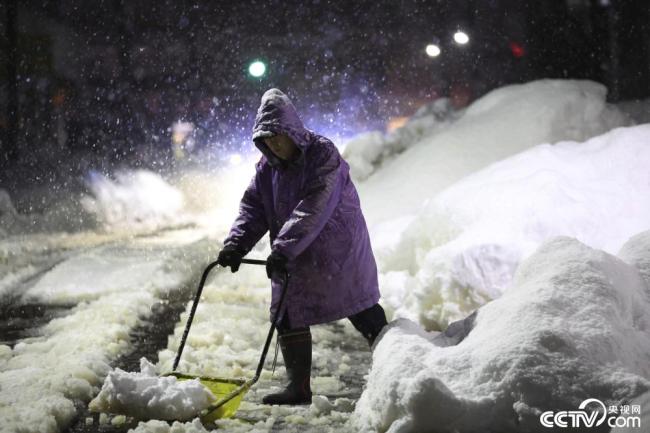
column 368, row 322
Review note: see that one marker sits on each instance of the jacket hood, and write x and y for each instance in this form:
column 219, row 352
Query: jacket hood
column 277, row 115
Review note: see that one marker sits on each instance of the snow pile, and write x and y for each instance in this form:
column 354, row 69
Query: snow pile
column 144, row 395
column 367, row 151
column 574, row 325
column 503, row 122
column 463, row 247
column 134, row 199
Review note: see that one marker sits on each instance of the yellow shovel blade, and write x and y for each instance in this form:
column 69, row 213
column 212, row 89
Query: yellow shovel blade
column 229, row 393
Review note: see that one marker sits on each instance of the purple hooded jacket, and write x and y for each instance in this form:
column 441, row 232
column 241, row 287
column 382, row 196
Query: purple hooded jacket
column 311, row 210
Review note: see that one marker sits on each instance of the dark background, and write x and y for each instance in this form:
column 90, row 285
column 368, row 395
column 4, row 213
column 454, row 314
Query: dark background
column 94, row 80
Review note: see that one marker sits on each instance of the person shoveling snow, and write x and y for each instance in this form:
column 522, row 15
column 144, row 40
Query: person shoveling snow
column 145, row 395
column 303, row 196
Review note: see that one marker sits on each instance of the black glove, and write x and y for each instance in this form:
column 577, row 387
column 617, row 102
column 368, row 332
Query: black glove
column 276, row 262
column 230, row 256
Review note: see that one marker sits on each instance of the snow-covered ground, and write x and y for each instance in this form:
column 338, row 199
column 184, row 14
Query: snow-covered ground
column 464, row 210
column 113, row 288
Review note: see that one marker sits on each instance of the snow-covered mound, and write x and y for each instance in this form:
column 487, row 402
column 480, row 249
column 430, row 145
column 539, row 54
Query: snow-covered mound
column 574, row 325
column 464, row 246
column 145, row 395
column 138, row 198
column 367, row 151
column 503, row 122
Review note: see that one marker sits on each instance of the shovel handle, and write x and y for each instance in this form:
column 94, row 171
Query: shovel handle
column 196, row 303
column 254, row 262
column 274, row 325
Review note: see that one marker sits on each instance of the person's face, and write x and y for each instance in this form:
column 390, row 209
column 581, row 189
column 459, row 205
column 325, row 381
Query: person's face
column 281, row 146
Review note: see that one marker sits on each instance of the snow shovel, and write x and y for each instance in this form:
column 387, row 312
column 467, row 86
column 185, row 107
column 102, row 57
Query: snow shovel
column 229, row 392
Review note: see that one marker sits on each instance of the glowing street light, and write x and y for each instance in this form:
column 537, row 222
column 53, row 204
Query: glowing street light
column 433, row 50
column 257, row 69
column 461, row 37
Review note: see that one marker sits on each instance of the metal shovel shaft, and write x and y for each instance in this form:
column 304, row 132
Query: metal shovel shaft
column 196, row 302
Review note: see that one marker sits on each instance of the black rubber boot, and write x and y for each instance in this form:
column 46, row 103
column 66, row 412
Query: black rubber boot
column 370, row 322
column 296, row 351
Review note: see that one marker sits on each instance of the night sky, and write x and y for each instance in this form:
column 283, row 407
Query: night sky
column 110, row 77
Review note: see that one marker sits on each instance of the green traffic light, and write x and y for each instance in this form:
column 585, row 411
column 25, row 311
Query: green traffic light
column 257, row 69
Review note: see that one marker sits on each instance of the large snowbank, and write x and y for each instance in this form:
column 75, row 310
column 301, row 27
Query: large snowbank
column 40, row 377
column 134, row 198
column 503, row 122
column 367, row 151
column 574, row 325
column 462, row 247
column 145, row 395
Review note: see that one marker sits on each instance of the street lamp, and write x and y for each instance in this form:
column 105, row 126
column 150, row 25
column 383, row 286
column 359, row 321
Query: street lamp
column 433, row 50
column 257, row 69
column 460, row 37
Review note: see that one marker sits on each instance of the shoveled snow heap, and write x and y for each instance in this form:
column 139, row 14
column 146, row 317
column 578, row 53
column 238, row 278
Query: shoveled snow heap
column 574, row 325
column 506, row 121
column 145, row 395
column 135, row 198
column 462, row 248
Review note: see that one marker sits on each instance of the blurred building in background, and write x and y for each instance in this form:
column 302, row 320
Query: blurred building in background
column 110, row 78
